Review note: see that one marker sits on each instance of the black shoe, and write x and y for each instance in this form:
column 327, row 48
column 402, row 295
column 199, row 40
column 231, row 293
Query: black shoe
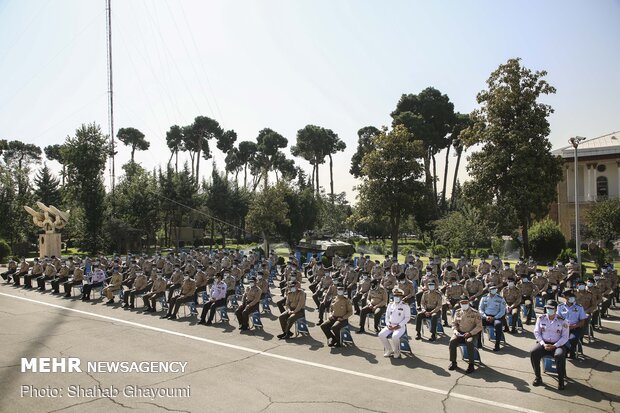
column 203, row 322
column 337, row 344
column 319, row 323
column 131, row 306
column 513, row 330
column 331, row 343
column 445, row 324
column 506, row 330
column 561, row 385
column 242, row 328
column 166, row 316
column 452, row 366
column 110, row 301
column 67, row 296
column 496, row 348
column 418, row 336
column 124, row 305
column 150, row 310
column 537, row 382
column 281, row 336
column 360, row 331
column 357, row 313
column 433, row 338
column 208, row 323
column 172, row 317
column 470, row 369
column 288, row 334
column 572, row 355
column 528, row 322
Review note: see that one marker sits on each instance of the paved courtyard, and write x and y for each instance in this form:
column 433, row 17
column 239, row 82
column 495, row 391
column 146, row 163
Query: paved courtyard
column 250, row 372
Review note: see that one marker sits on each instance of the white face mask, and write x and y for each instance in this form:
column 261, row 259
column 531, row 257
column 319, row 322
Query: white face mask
column 539, row 274
column 550, row 311
column 293, row 289
column 260, row 277
column 493, row 291
column 454, row 284
column 465, row 307
column 401, row 281
column 554, row 287
column 431, row 287
column 590, row 284
column 397, row 300
column 581, row 287
column 340, row 292
column 526, row 280
column 571, row 300
column 506, row 268
column 511, row 284
column 251, row 284
column 429, row 273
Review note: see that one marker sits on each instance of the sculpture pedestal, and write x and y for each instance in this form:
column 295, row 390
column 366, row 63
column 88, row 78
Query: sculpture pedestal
column 49, row 244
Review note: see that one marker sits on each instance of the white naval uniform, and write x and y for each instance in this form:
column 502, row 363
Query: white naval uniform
column 396, row 314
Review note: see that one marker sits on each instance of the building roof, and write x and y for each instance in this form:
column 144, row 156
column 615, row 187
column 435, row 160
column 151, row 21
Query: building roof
column 603, row 145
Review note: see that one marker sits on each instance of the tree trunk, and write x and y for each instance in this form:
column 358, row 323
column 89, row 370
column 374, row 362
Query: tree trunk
column 212, row 233
column 223, row 236
column 456, row 172
column 198, row 166
column 176, row 161
column 318, row 190
column 427, row 170
column 245, row 176
column 524, row 234
column 331, row 177
column 133, row 151
column 394, row 226
column 445, row 178
column 170, row 160
column 313, row 172
column 434, row 179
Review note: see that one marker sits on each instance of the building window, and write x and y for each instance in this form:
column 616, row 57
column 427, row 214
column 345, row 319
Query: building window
column 601, row 187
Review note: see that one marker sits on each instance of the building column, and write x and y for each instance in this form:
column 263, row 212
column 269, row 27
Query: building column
column 567, row 175
column 618, row 164
column 593, row 184
column 586, row 182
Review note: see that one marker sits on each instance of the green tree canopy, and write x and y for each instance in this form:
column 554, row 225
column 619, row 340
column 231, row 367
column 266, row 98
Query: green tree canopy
column 134, row 138
column 514, row 170
column 603, row 220
column 390, row 185
column 47, row 187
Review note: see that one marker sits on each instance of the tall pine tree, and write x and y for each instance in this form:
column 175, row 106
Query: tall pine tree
column 47, row 187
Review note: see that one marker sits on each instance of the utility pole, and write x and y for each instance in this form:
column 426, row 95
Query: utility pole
column 110, row 95
column 575, row 142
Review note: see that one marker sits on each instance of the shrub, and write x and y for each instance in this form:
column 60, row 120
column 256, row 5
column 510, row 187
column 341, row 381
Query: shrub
column 546, row 240
column 417, row 246
column 483, row 253
column 440, row 250
column 5, row 250
column 565, row 255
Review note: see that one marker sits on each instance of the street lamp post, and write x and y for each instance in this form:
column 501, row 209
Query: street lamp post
column 575, row 142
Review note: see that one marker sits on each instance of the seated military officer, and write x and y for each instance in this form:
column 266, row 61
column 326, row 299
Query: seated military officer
column 249, row 304
column 12, row 269
column 512, row 295
column 376, row 304
column 493, row 310
column 551, row 334
column 140, row 285
column 397, row 316
column 430, row 307
column 294, row 309
column 188, row 287
column 466, row 324
column 77, row 279
column 157, row 290
column 340, row 311
column 217, row 298
column 575, row 316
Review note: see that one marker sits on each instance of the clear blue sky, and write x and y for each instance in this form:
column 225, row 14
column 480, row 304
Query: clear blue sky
column 284, row 64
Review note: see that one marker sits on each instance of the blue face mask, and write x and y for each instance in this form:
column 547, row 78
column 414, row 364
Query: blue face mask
column 550, row 311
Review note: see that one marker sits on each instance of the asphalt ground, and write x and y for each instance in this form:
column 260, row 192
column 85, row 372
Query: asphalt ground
column 232, row 371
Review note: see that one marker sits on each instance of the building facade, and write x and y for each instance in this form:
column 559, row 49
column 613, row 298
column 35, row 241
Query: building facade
column 598, row 179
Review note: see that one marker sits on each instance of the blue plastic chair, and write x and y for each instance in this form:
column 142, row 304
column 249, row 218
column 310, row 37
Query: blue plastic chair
column 301, row 327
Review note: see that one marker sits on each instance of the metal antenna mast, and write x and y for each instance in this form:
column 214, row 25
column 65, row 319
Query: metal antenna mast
column 110, row 93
